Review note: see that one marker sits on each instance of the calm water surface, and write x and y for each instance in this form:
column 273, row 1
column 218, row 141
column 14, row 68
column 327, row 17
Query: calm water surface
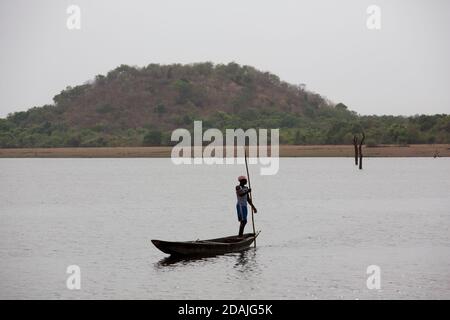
column 323, row 223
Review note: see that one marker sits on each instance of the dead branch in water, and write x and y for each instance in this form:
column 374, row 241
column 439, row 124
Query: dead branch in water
column 360, row 150
column 355, row 144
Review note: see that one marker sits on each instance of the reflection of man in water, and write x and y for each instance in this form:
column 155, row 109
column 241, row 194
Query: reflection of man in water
column 242, row 193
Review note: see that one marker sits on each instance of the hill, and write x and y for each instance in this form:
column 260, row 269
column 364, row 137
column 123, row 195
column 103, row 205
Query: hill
column 133, row 106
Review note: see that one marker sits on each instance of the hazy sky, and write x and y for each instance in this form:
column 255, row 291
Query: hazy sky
column 403, row 68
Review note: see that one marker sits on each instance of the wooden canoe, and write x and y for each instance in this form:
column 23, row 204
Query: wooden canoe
column 208, row 247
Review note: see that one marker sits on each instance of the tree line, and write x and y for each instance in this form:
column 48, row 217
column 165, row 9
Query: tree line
column 132, row 106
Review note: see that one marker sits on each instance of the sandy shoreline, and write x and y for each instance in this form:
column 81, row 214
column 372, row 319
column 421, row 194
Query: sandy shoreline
column 419, row 150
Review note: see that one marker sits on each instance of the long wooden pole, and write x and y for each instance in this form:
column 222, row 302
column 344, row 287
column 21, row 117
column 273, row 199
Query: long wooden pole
column 250, row 194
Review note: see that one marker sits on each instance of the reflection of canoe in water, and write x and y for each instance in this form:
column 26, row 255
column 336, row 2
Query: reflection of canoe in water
column 206, row 247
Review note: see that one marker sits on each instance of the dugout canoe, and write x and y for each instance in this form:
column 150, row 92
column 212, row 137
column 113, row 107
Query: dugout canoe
column 208, row 247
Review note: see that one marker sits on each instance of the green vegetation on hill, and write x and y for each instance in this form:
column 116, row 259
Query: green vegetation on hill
column 141, row 106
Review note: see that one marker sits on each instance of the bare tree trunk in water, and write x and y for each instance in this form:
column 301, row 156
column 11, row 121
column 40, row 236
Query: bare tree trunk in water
column 355, row 143
column 360, row 151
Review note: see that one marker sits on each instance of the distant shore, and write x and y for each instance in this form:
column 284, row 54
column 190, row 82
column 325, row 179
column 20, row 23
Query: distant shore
column 416, row 150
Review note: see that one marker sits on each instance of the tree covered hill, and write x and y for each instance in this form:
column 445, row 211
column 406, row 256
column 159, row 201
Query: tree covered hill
column 133, row 106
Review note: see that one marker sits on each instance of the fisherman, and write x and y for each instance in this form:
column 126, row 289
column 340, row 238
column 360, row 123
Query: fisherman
column 242, row 193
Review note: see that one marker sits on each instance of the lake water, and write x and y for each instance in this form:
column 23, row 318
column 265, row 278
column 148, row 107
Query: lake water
column 323, row 223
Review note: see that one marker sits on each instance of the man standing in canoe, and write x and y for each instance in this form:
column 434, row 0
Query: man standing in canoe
column 242, row 193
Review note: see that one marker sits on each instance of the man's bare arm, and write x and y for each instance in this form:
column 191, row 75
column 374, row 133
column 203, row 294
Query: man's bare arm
column 249, row 199
column 241, row 191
